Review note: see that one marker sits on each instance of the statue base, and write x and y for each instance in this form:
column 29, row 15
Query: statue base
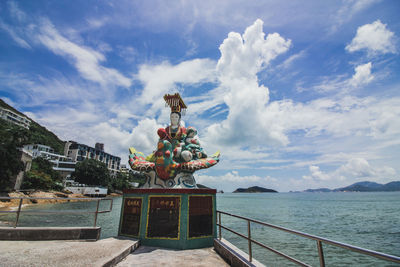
column 181, row 180
column 171, row 218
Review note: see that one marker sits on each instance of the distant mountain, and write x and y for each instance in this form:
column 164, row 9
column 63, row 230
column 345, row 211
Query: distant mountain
column 254, row 189
column 365, row 186
column 361, row 187
column 392, row 186
column 318, row 190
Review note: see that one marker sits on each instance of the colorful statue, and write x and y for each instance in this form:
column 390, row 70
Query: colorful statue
column 178, row 153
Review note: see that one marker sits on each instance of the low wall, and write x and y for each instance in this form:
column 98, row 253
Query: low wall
column 50, row 233
column 233, row 255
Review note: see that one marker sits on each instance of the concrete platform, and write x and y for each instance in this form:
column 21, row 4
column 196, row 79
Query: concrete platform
column 153, row 256
column 116, row 252
column 105, row 252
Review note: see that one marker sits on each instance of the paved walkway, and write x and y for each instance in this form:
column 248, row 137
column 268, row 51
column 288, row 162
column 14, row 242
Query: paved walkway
column 64, row 253
column 105, row 252
column 152, row 256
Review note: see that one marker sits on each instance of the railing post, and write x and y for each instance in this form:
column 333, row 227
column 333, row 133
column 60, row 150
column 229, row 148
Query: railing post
column 320, row 254
column 97, row 210
column 219, row 224
column 111, row 204
column 19, row 210
column 249, row 236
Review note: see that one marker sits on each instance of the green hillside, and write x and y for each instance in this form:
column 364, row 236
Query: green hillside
column 38, row 134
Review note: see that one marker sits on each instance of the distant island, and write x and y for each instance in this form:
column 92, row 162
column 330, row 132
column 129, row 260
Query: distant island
column 318, row 190
column 365, row 186
column 254, row 189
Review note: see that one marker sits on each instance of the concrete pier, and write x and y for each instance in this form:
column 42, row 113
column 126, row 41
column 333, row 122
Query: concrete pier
column 117, row 252
column 155, row 257
column 105, row 252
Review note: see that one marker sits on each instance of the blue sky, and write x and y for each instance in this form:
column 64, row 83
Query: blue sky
column 294, row 94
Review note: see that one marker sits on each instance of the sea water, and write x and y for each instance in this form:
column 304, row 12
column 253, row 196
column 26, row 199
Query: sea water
column 367, row 220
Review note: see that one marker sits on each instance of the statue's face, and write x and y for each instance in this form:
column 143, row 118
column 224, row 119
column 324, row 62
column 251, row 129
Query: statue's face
column 174, row 119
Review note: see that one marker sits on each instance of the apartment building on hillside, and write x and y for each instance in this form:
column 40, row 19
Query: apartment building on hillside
column 79, row 152
column 37, row 149
column 15, row 118
column 63, row 164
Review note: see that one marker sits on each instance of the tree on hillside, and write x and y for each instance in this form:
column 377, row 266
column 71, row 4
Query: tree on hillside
column 120, row 182
column 43, row 165
column 12, row 137
column 40, row 181
column 38, row 134
column 124, row 180
column 91, row 172
column 137, row 177
column 42, row 176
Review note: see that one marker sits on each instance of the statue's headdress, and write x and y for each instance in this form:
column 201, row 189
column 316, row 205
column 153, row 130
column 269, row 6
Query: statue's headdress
column 176, row 103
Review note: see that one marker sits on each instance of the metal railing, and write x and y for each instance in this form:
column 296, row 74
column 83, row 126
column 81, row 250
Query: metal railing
column 319, row 241
column 41, row 212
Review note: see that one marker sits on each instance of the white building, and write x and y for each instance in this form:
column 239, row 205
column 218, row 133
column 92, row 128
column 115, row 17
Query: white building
column 73, row 153
column 92, row 191
column 61, row 163
column 123, row 168
column 79, row 152
column 38, row 150
column 15, row 118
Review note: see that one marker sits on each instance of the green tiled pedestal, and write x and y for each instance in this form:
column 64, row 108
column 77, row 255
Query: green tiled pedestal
column 171, row 218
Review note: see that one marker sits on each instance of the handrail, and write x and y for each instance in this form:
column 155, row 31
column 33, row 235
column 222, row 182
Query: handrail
column 21, row 199
column 318, row 239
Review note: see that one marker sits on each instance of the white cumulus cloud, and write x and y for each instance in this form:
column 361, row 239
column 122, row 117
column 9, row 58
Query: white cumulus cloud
column 242, row 57
column 375, row 38
column 342, row 83
column 362, row 76
column 355, row 169
column 142, row 137
column 360, row 168
column 232, row 180
column 316, row 174
column 162, row 78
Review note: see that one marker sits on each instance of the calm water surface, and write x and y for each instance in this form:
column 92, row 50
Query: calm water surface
column 368, row 220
